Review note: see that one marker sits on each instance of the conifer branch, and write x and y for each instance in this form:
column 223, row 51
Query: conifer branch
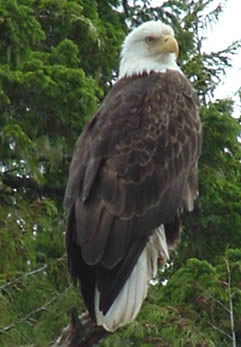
column 227, row 309
column 28, row 317
column 19, row 182
column 31, row 273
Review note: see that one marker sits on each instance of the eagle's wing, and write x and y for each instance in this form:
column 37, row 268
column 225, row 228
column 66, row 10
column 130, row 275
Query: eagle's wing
column 133, row 166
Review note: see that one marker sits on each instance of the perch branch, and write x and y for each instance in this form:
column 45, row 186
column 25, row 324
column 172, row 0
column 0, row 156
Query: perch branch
column 81, row 332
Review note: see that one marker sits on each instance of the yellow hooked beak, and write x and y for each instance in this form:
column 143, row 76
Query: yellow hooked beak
column 169, row 45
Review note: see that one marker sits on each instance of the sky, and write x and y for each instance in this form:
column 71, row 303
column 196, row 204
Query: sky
column 223, row 33
column 220, row 36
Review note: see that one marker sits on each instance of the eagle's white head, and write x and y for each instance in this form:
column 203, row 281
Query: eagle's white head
column 149, row 47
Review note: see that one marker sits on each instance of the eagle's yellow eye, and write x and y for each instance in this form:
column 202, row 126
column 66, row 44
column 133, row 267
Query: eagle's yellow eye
column 149, row 39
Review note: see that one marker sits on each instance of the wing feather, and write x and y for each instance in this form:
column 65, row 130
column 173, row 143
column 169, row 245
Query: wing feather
column 93, row 251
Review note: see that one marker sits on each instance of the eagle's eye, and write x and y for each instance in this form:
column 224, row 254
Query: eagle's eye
column 149, row 39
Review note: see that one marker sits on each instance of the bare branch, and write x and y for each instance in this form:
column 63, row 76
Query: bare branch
column 230, row 304
column 220, row 330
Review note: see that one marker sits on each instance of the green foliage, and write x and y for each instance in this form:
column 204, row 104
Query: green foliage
column 193, row 309
column 57, row 61
column 54, row 67
column 20, row 30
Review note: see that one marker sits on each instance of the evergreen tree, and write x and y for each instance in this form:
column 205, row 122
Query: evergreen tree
column 57, row 61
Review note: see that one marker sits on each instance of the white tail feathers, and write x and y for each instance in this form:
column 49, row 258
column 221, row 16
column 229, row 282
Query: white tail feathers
column 129, row 301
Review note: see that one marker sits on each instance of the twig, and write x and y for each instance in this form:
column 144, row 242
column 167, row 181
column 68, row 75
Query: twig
column 210, row 296
column 219, row 303
column 230, row 304
column 221, row 331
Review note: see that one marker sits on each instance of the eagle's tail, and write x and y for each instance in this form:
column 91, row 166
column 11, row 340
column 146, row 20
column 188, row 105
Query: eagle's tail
column 130, row 298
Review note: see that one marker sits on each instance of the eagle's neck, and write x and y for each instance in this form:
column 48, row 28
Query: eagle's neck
column 133, row 65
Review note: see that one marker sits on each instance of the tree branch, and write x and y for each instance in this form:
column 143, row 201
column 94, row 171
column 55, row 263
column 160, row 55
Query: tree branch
column 125, row 7
column 19, row 182
column 81, row 332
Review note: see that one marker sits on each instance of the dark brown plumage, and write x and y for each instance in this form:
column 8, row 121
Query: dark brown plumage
column 134, row 167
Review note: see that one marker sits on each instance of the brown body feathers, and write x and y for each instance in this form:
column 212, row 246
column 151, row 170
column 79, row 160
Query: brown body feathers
column 134, row 167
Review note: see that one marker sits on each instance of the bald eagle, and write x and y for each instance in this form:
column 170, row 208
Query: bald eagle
column 133, row 170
